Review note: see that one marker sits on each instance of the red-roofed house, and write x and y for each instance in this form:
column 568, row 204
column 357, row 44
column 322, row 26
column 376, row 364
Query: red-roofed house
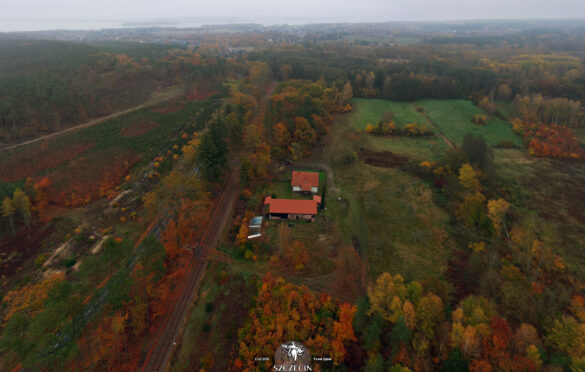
column 305, row 182
column 292, row 209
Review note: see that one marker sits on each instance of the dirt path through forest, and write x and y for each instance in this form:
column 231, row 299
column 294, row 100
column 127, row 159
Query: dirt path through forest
column 157, row 97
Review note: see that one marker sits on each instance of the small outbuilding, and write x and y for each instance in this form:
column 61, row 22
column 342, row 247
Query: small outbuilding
column 255, row 227
column 305, row 182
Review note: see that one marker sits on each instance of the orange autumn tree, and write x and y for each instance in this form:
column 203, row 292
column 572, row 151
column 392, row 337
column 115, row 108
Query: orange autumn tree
column 286, row 312
column 41, row 199
column 343, row 330
column 31, row 297
column 296, row 254
column 170, row 239
column 549, row 140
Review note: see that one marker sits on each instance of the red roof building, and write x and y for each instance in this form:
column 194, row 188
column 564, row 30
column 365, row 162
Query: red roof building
column 305, row 182
column 292, row 209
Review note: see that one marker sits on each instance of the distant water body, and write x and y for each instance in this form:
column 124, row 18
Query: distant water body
column 11, row 25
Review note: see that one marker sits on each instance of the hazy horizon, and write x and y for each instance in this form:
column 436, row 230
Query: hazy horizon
column 34, row 25
column 33, row 15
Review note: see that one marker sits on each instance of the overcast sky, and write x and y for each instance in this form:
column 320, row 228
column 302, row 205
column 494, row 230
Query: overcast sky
column 358, row 10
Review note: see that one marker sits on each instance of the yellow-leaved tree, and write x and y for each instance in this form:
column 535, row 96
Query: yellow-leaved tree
column 497, row 210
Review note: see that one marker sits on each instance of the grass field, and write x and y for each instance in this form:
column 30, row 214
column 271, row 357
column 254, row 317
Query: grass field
column 454, row 119
column 388, row 216
column 506, row 108
column 283, row 190
column 417, row 149
column 370, row 111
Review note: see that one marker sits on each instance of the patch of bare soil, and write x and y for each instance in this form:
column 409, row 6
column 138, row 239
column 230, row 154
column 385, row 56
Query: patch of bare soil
column 25, row 244
column 384, row 159
column 20, row 165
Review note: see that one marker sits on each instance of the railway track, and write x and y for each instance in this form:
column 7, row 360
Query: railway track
column 165, row 341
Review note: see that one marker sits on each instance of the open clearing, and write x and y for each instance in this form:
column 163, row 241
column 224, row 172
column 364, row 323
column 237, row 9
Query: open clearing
column 156, row 98
column 454, row 116
column 369, row 111
column 59, row 151
column 384, row 212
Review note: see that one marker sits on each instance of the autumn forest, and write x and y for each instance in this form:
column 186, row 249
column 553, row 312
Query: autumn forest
column 450, row 224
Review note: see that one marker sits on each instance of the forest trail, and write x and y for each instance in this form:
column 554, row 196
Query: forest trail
column 157, row 97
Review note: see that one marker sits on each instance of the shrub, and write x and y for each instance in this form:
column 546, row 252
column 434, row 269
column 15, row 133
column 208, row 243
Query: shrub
column 507, row 144
column 69, row 262
column 479, row 119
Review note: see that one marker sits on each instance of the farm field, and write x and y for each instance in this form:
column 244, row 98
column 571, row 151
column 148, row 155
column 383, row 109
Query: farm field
column 454, row 119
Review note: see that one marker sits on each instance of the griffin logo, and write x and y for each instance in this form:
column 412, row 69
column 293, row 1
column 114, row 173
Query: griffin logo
column 292, row 356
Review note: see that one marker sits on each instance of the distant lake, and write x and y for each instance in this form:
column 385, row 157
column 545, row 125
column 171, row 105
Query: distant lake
column 11, row 25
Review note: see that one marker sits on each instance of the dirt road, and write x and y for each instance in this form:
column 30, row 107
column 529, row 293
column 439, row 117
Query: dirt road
column 157, row 97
